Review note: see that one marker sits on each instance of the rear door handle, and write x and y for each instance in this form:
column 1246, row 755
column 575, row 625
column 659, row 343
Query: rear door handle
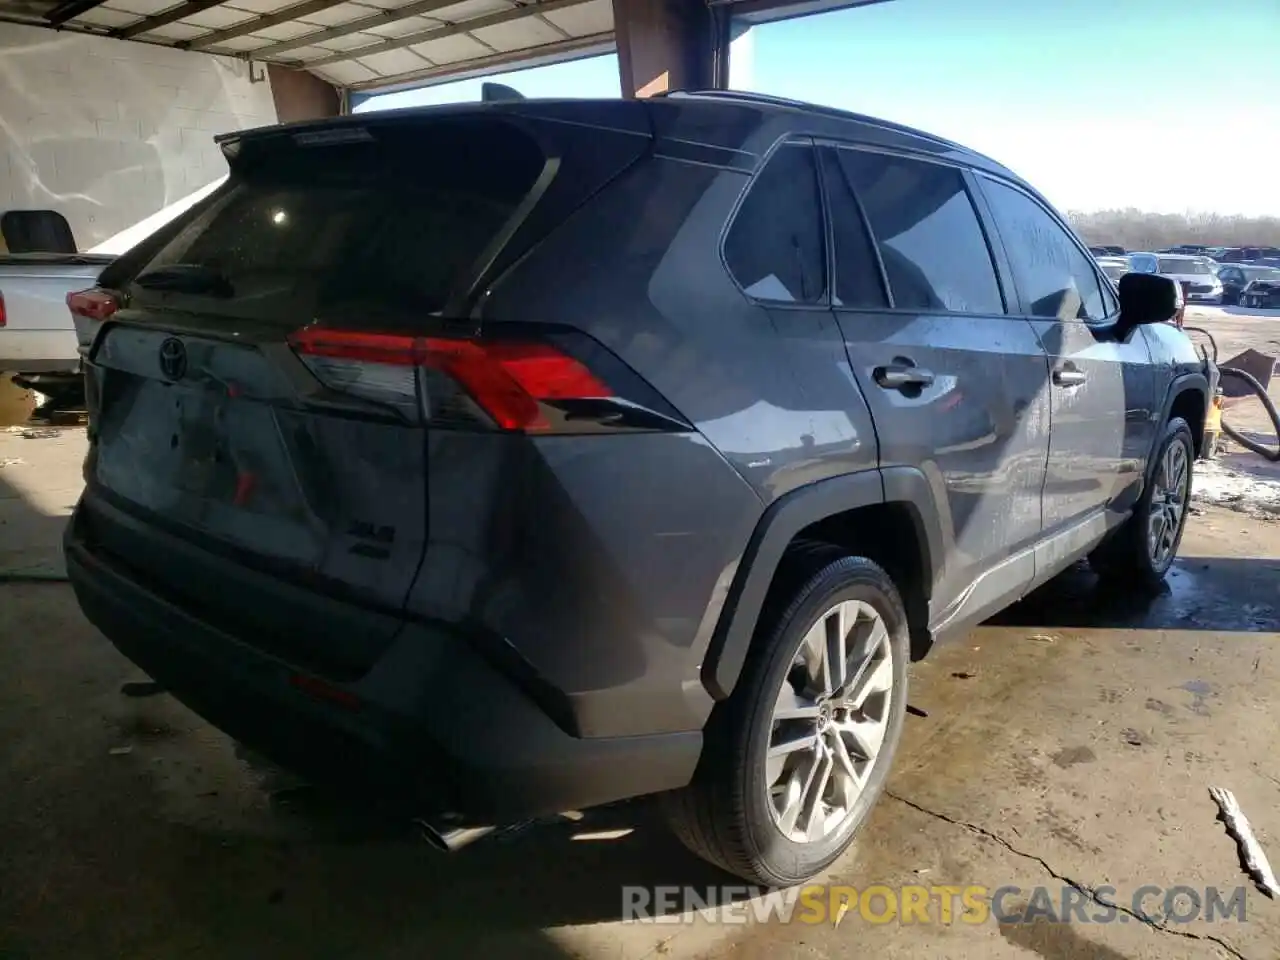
column 901, row 374
column 1069, row 376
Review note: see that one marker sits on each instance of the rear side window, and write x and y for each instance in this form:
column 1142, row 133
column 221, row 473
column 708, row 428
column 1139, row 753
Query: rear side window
column 394, row 221
column 934, row 251
column 774, row 248
column 1055, row 277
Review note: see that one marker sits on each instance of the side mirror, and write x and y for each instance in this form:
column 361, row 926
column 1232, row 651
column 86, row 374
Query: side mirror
column 1146, row 298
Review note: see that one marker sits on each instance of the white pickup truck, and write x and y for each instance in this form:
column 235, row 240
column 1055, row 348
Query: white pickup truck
column 36, row 332
column 39, row 338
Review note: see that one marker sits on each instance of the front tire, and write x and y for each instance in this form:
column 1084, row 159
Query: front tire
column 1144, row 547
column 794, row 760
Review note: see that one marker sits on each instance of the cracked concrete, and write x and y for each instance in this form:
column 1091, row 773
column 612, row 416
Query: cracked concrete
column 1069, row 744
column 1094, row 895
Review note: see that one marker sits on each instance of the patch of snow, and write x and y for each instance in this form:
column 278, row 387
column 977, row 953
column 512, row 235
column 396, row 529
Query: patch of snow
column 1217, row 484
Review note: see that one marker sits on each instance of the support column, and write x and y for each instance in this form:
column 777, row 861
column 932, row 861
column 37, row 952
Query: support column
column 668, row 45
column 299, row 95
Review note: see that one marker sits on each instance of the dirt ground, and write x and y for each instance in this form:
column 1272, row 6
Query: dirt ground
column 1071, row 742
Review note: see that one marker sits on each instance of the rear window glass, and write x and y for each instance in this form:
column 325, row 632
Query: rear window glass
column 397, row 219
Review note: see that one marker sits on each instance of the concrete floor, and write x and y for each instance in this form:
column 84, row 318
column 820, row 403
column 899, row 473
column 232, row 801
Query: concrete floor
column 1074, row 737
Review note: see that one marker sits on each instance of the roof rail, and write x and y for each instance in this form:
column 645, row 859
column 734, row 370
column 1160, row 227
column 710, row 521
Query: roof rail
column 750, row 97
column 771, row 100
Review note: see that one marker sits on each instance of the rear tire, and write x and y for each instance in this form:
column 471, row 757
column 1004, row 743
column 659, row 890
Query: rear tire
column 1143, row 548
column 830, row 670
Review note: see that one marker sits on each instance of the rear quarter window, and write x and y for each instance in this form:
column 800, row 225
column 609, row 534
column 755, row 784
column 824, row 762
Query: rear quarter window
column 774, row 247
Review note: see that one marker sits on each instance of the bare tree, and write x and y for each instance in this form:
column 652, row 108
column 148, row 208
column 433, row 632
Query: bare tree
column 1138, row 230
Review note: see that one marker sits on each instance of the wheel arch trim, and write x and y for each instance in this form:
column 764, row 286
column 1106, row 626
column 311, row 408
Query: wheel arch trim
column 784, row 518
column 1179, row 385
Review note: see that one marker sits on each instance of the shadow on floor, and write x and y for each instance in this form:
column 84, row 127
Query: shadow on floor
column 1200, row 593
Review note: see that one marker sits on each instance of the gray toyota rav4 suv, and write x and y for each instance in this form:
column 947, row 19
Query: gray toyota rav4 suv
column 513, row 458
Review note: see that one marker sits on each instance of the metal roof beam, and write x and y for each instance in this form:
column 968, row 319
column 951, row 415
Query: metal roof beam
column 164, row 18
column 271, row 50
column 437, row 33
column 260, row 23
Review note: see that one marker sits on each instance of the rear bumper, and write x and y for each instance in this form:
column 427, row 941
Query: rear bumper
column 38, row 351
column 432, row 729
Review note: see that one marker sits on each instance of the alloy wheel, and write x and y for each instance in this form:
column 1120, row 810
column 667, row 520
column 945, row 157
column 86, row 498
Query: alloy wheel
column 1168, row 505
column 829, row 722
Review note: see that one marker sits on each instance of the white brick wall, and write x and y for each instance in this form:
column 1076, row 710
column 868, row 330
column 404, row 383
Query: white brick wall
column 107, row 132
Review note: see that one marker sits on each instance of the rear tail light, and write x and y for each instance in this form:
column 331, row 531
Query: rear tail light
column 518, row 385
column 3, row 318
column 96, row 304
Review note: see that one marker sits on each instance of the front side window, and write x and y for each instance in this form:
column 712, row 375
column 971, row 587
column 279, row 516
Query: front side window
column 774, row 248
column 1055, row 277
column 930, row 240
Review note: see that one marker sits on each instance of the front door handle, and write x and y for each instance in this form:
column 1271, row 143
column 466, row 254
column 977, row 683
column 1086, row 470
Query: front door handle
column 1069, row 376
column 902, row 374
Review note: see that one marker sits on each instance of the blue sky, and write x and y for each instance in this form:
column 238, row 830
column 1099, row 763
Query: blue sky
column 1166, row 105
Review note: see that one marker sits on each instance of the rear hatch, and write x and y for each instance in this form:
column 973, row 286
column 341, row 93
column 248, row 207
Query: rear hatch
column 271, row 365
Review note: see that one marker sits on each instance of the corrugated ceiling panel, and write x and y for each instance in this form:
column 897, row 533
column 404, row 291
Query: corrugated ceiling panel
column 347, row 73
column 261, row 6
column 144, row 7
column 584, row 19
column 349, row 42
column 106, row 17
column 451, row 49
column 518, row 34
column 470, row 9
column 402, row 28
column 306, row 53
column 218, row 17
column 342, row 13
column 283, row 31
column 238, row 45
column 177, row 31
column 391, row 62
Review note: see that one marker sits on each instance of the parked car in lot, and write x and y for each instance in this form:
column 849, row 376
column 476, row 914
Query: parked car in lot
column 1199, row 282
column 1107, row 250
column 1236, row 276
column 1246, row 254
column 1263, row 288
column 511, row 460
column 1113, row 267
column 1142, row 262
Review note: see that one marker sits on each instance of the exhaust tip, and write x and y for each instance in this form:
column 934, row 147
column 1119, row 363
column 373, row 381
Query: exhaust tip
column 453, row 839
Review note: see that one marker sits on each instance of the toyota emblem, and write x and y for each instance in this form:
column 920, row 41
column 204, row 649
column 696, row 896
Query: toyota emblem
column 173, row 359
